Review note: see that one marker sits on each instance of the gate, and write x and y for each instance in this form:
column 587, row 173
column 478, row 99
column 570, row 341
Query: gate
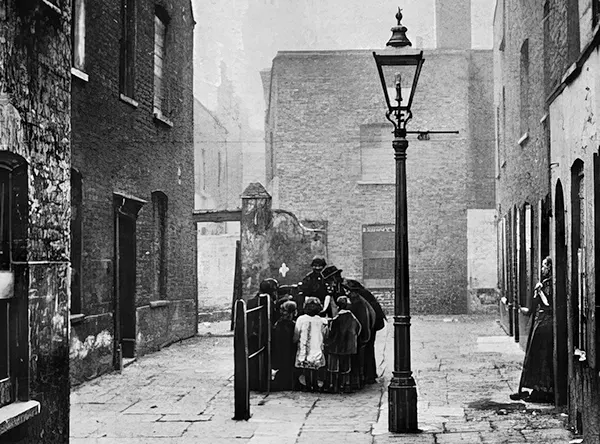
column 252, row 352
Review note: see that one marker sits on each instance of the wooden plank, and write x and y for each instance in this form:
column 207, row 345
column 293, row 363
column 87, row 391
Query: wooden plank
column 217, row 215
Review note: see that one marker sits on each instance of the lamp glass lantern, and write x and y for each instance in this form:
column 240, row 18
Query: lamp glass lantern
column 399, row 70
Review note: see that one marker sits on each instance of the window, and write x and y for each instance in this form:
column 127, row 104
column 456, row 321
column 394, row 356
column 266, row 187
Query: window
column 76, row 240
column 160, row 207
column 376, row 154
column 14, row 329
column 160, row 39
column 78, row 35
column 127, row 66
column 524, row 91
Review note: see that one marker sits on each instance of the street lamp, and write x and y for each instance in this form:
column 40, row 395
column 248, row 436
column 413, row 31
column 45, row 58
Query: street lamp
column 399, row 68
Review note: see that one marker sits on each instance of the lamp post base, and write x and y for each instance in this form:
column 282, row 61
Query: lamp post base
column 402, row 404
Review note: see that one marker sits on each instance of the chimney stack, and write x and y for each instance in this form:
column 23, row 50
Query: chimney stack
column 453, row 24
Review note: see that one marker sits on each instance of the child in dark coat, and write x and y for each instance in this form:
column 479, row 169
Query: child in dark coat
column 283, row 349
column 342, row 343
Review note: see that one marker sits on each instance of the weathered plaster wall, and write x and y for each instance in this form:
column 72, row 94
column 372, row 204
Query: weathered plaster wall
column 274, row 244
column 35, row 79
column 216, row 269
column 575, row 134
column 481, row 249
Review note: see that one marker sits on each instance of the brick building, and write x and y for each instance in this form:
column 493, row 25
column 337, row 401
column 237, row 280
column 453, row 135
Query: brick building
column 35, row 162
column 134, row 242
column 546, row 93
column 329, row 158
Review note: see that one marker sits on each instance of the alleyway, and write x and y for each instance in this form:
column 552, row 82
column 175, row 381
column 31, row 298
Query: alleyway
column 465, row 368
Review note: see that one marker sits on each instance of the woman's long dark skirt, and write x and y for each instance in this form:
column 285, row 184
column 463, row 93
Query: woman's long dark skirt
column 538, row 366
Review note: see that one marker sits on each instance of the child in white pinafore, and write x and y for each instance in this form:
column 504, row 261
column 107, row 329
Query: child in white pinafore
column 309, row 333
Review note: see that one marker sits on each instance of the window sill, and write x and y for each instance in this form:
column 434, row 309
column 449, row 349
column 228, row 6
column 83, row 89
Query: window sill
column 76, row 318
column 379, row 182
column 523, row 138
column 80, row 74
column 158, row 116
column 128, row 100
column 161, row 303
column 52, row 6
column 17, row 413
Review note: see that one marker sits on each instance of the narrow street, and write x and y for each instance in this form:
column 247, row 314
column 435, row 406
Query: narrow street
column 465, row 368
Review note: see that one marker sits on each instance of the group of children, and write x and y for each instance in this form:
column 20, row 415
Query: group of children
column 311, row 352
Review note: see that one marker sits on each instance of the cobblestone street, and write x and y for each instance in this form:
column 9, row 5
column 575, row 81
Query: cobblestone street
column 465, row 368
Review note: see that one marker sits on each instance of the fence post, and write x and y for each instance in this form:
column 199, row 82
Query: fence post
column 261, row 342
column 264, row 338
column 240, row 356
column 237, row 281
column 267, row 354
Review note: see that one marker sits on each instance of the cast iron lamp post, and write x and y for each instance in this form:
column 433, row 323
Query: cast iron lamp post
column 399, row 69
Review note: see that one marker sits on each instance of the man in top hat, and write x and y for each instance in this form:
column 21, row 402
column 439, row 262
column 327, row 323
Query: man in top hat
column 313, row 283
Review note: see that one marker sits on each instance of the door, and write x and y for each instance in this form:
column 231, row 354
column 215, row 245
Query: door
column 126, row 289
column 126, row 213
column 560, row 301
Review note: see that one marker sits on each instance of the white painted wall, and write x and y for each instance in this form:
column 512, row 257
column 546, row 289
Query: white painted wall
column 481, row 249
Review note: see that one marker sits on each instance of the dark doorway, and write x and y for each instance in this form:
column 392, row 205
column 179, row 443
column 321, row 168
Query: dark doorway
column 560, row 301
column 126, row 212
column 126, row 243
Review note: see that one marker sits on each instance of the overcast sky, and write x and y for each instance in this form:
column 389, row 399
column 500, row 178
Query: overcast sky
column 245, row 35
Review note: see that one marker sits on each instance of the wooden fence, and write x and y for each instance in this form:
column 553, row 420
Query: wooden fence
column 252, row 352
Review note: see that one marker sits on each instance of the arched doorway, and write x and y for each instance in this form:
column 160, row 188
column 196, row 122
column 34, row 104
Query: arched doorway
column 560, row 300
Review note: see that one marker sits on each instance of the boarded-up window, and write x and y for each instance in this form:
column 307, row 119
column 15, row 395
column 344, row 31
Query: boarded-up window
column 377, row 154
column 378, row 255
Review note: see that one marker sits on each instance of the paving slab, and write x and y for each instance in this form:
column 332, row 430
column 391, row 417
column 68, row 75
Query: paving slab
column 464, row 367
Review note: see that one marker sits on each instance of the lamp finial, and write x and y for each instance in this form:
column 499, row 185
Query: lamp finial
column 399, row 16
column 399, row 38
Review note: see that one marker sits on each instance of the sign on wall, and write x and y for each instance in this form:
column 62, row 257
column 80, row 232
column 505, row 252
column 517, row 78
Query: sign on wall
column 378, row 255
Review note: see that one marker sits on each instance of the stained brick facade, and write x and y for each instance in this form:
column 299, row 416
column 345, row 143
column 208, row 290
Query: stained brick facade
column 556, row 170
column 35, row 152
column 137, row 172
column 316, row 159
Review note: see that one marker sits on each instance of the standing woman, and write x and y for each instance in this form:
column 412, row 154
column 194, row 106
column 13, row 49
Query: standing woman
column 538, row 367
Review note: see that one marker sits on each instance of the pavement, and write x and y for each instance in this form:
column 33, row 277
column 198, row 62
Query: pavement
column 465, row 368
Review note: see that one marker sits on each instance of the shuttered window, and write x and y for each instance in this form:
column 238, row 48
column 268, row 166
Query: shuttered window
column 13, row 249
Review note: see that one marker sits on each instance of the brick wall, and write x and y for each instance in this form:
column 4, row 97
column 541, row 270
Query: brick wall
column 34, row 124
column 318, row 102
column 120, row 147
column 523, row 174
column 211, row 159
